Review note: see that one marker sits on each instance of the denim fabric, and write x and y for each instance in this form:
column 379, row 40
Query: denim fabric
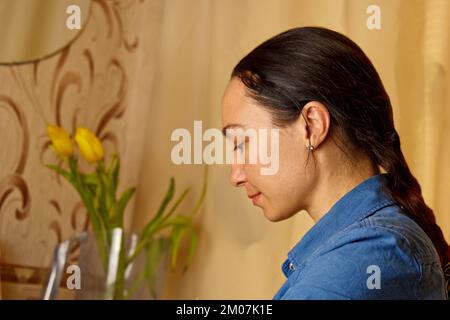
column 365, row 247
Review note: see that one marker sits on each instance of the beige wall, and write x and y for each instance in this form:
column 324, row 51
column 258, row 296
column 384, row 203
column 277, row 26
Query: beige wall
column 175, row 75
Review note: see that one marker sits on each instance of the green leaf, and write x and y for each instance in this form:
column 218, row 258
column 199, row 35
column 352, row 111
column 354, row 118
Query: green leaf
column 162, row 223
column 121, row 205
column 61, row 172
column 202, row 194
column 90, row 179
column 156, row 220
column 113, row 175
column 154, row 254
column 88, row 199
column 176, row 236
column 176, row 204
column 167, row 198
column 180, row 220
column 192, row 247
column 91, row 182
column 102, row 196
column 179, row 224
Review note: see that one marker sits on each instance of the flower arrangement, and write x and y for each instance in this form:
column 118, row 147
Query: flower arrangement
column 97, row 190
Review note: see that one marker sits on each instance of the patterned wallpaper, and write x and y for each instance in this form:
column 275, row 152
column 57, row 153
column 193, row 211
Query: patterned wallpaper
column 85, row 84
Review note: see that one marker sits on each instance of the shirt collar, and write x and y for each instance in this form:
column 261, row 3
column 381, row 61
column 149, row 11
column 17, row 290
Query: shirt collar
column 360, row 202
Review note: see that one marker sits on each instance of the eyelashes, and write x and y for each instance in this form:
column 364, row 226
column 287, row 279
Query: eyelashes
column 240, row 146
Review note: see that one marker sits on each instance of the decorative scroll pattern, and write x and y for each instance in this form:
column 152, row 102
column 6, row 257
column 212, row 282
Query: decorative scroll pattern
column 85, row 84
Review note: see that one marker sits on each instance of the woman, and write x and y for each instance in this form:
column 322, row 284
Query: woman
column 374, row 237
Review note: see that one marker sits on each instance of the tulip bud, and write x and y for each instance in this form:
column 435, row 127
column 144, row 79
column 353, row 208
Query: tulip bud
column 61, row 142
column 89, row 145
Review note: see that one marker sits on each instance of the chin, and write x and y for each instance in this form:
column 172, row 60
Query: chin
column 277, row 215
column 273, row 216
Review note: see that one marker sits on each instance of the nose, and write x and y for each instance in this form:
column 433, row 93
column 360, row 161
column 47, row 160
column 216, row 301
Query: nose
column 237, row 175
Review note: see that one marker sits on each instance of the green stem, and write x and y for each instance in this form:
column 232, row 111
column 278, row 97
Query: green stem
column 86, row 197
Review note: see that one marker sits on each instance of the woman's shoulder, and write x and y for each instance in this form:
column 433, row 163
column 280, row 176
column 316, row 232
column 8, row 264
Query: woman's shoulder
column 393, row 225
column 384, row 235
column 388, row 238
column 388, row 246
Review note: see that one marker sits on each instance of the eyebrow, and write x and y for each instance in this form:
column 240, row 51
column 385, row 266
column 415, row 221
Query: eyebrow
column 231, row 125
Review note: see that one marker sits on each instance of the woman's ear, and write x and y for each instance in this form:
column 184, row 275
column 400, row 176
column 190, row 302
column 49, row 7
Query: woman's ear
column 316, row 120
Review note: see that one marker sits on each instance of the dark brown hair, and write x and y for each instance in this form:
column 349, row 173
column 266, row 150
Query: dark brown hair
column 317, row 64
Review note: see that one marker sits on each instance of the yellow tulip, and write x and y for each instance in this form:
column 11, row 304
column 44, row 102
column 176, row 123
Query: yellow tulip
column 61, row 142
column 89, row 145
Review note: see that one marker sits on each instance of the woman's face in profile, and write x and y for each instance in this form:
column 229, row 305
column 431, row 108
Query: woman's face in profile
column 282, row 194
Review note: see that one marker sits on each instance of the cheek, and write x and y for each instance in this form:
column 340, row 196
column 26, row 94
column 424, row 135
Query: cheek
column 285, row 198
column 289, row 186
column 289, row 183
column 253, row 175
column 291, row 164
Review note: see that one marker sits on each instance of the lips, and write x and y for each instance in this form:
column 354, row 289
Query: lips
column 254, row 197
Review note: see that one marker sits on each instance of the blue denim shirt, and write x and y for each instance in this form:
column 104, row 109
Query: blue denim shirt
column 365, row 247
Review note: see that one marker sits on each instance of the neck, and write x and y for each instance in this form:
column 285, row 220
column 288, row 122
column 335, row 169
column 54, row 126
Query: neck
column 334, row 184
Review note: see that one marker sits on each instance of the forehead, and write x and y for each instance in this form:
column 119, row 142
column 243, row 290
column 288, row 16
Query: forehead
column 234, row 95
column 239, row 108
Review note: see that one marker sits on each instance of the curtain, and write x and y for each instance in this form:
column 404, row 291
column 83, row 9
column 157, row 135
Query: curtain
column 240, row 253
